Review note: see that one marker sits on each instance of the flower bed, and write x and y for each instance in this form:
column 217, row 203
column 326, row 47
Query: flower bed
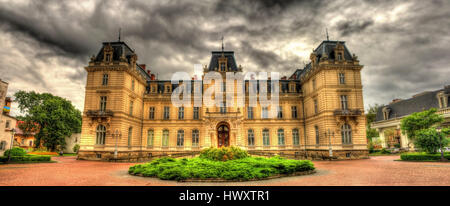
column 206, row 167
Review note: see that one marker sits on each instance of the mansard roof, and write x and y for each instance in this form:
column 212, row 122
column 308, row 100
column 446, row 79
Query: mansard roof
column 119, row 48
column 326, row 47
column 231, row 62
column 417, row 103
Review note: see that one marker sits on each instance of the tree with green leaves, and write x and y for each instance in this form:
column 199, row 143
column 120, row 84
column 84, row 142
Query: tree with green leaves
column 54, row 117
column 417, row 121
column 430, row 140
column 370, row 117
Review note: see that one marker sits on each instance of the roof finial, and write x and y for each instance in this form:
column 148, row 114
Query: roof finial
column 222, row 44
column 327, row 34
column 119, row 33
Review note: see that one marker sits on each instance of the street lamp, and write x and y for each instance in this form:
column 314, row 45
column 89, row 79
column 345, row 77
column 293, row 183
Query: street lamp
column 117, row 135
column 438, row 129
column 13, row 131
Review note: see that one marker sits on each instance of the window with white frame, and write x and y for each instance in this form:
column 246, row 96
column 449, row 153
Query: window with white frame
column 251, row 137
column 346, row 133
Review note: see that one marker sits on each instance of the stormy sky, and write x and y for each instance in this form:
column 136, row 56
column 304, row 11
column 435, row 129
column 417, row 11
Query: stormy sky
column 403, row 45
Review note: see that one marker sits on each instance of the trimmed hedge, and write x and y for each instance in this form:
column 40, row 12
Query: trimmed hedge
column 16, row 151
column 27, row 158
column 423, row 156
column 249, row 168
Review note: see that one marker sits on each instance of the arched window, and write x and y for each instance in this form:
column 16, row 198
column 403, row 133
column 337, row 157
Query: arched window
column 130, row 136
column 180, row 138
column 150, row 135
column 251, row 138
column 295, row 137
column 101, row 135
column 195, row 138
column 266, row 137
column 165, row 138
column 280, row 136
column 346, row 132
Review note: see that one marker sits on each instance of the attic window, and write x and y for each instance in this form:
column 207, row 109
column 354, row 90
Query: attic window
column 386, row 112
column 339, row 56
column 443, row 100
column 222, row 67
column 108, row 57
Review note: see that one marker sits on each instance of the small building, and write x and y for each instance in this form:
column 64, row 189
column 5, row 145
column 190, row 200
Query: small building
column 23, row 139
column 388, row 117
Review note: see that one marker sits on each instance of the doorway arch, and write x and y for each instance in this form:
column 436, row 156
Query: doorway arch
column 223, row 134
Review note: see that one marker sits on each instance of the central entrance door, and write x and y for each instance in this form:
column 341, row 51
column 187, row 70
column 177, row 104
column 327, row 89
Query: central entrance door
column 223, row 135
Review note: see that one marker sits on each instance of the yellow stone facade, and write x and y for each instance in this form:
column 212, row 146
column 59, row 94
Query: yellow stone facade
column 124, row 119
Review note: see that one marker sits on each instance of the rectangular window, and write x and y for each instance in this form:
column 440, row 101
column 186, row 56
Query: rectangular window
column 165, row 138
column 132, row 85
column 281, row 137
column 266, row 137
column 195, row 138
column 150, row 135
column 294, row 112
column 180, row 112
column 280, row 112
column 265, row 113
column 103, row 103
column 250, row 112
column 105, row 79
column 316, row 107
column 180, row 138
column 339, row 56
column 130, row 136
column 153, row 89
column 131, row 108
column 317, row 134
column 223, row 108
column 7, row 124
column 295, row 137
column 166, row 112
column 168, row 89
column 251, row 138
column 196, row 113
column 341, row 78
column 344, row 105
column 152, row 113
column 314, row 84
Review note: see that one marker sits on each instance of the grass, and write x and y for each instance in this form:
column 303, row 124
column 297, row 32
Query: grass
column 248, row 168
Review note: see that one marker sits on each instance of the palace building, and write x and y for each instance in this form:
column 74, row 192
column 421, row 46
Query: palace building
column 128, row 113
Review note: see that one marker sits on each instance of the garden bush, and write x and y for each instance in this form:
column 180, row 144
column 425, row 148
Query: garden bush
column 247, row 168
column 16, row 151
column 385, row 151
column 27, row 158
column 223, row 153
column 422, row 156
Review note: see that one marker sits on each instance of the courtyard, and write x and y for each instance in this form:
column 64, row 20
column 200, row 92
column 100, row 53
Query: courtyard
column 376, row 171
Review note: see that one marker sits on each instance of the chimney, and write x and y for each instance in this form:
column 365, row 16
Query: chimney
column 283, row 78
column 395, row 100
column 152, row 77
column 143, row 66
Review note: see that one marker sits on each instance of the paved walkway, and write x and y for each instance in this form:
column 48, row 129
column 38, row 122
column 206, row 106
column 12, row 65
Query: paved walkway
column 380, row 170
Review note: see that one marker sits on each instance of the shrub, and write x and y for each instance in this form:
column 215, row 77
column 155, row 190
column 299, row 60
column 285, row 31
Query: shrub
column 76, row 148
column 16, row 151
column 422, row 156
column 223, row 153
column 237, row 169
column 385, row 151
column 429, row 140
column 27, row 158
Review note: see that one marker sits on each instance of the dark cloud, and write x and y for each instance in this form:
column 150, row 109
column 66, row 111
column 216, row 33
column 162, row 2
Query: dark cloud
column 46, row 44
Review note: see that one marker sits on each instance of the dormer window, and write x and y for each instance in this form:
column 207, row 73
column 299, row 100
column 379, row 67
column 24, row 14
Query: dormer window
column 386, row 112
column 222, row 67
column 108, row 57
column 443, row 99
column 339, row 56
